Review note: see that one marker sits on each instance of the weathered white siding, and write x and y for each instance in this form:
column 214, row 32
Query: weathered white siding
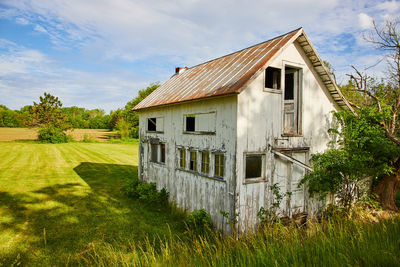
column 259, row 128
column 188, row 189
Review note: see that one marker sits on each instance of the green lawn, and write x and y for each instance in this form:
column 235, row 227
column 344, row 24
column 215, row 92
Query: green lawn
column 58, row 200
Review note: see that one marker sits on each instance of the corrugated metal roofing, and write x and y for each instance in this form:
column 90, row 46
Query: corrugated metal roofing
column 222, row 76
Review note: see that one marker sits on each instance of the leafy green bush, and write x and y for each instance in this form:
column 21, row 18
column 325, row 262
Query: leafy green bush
column 146, row 192
column 199, row 222
column 51, row 134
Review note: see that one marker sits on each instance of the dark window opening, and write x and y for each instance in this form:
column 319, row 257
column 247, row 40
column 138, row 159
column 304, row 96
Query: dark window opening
column 289, row 85
column 273, row 78
column 162, row 146
column 253, row 166
column 151, row 124
column 154, row 153
column 190, row 123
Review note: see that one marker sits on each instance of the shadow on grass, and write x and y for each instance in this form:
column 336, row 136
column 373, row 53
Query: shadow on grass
column 54, row 224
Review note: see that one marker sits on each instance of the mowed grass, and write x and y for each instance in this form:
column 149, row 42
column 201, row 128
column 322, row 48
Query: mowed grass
column 57, row 200
column 15, row 134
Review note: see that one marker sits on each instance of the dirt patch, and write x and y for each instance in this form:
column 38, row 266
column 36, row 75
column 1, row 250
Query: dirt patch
column 14, row 134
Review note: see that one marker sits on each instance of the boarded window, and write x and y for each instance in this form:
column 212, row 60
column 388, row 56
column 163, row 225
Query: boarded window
column 193, row 161
column 205, row 162
column 152, row 124
column 273, row 78
column 182, row 158
column 154, row 153
column 162, row 150
column 253, row 166
column 219, row 165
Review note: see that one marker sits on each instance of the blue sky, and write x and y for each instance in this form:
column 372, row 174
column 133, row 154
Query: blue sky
column 98, row 53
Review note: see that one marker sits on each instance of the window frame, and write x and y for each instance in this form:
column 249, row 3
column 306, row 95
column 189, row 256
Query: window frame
column 193, row 152
column 263, row 166
column 203, row 163
column 160, row 120
column 182, row 158
column 196, row 122
column 298, row 100
column 162, row 153
column 217, row 168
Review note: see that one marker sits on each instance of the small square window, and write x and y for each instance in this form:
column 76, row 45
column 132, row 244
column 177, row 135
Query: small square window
column 273, row 78
column 253, row 166
column 182, row 158
column 152, row 124
column 219, row 165
column 193, row 161
column 205, row 162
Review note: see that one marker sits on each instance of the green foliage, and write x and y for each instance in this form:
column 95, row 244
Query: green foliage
column 132, row 117
column 51, row 134
column 146, row 192
column 199, row 222
column 271, row 214
column 363, row 151
column 123, row 128
column 48, row 112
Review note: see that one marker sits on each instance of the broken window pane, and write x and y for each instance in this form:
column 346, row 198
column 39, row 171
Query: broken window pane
column 205, row 162
column 190, row 123
column 193, row 161
column 253, row 166
column 151, row 124
column 273, row 78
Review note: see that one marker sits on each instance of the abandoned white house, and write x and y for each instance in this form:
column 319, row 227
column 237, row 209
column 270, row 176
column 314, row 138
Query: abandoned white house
column 218, row 134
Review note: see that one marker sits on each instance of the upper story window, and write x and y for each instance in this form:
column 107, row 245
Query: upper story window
column 155, row 124
column 203, row 123
column 272, row 78
column 292, row 116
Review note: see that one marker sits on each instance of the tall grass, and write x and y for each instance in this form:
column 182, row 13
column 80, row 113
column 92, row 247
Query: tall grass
column 332, row 243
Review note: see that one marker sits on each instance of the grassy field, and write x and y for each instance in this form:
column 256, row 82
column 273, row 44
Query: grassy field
column 62, row 205
column 14, row 134
column 56, row 200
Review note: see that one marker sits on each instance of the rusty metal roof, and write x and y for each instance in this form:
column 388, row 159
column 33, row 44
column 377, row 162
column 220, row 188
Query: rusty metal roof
column 221, row 76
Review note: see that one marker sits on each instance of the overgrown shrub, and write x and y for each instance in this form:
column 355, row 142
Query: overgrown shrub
column 51, row 134
column 146, row 192
column 199, row 222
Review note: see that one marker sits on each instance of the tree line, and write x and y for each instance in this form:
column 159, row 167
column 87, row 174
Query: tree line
column 124, row 119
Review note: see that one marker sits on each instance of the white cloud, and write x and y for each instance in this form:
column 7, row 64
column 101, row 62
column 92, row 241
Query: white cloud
column 366, row 22
column 180, row 32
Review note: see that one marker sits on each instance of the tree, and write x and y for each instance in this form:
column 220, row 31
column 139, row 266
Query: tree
column 48, row 115
column 132, row 117
column 381, row 100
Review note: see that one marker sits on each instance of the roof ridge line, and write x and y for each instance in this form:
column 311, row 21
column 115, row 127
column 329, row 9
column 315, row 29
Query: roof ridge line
column 208, row 61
